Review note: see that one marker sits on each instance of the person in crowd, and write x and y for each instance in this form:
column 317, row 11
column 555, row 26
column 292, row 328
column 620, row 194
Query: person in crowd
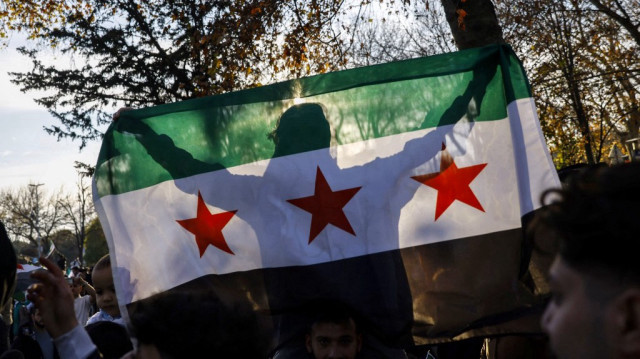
column 53, row 296
column 20, row 316
column 88, row 272
column 106, row 299
column 186, row 324
column 334, row 333
column 33, row 340
column 594, row 280
column 112, row 339
column 167, row 325
column 83, row 304
column 8, row 268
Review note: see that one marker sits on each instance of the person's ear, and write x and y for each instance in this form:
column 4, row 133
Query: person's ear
column 307, row 343
column 628, row 322
column 359, row 341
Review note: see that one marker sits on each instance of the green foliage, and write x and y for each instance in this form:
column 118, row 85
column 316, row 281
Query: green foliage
column 138, row 54
column 25, row 251
column 148, row 53
column 95, row 243
column 64, row 241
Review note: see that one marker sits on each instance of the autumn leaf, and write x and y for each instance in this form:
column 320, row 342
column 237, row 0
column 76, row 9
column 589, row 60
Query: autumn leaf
column 461, row 15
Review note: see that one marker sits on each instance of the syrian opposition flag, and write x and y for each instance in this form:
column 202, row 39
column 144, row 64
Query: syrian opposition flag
column 398, row 189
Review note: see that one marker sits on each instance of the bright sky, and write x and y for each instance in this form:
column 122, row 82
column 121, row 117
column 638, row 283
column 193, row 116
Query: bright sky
column 27, row 152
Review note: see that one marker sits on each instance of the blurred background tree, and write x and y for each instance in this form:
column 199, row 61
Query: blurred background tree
column 31, row 215
column 95, row 244
column 581, row 55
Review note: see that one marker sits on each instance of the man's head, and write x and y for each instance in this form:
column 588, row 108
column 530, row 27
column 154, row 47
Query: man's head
column 187, row 324
column 595, row 279
column 301, row 128
column 111, row 338
column 36, row 317
column 334, row 333
column 105, row 290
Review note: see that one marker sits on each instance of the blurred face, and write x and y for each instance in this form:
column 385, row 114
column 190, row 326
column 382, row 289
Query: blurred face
column 573, row 320
column 334, row 340
column 76, row 288
column 105, row 291
column 37, row 319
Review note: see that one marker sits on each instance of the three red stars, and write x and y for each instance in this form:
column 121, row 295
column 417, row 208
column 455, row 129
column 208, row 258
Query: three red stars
column 326, row 206
column 207, row 227
column 452, row 183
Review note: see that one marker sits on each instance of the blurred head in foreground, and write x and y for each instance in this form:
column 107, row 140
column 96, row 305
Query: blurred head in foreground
column 594, row 280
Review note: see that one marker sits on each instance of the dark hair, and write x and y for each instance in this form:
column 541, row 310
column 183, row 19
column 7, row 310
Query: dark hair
column 104, row 262
column 596, row 218
column 301, row 128
column 111, row 339
column 188, row 324
column 332, row 311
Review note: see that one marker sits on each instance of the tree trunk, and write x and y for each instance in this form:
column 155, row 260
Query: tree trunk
column 473, row 23
column 581, row 118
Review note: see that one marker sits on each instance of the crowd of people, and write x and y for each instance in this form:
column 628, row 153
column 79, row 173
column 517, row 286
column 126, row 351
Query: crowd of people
column 593, row 312
column 95, row 308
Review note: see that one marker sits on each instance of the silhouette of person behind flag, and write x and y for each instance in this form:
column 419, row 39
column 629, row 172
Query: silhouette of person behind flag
column 376, row 284
column 300, row 129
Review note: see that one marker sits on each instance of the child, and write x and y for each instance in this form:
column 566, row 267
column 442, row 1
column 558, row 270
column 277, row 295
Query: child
column 83, row 304
column 105, row 293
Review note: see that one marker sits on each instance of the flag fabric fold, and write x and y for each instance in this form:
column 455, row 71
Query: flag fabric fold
column 398, row 189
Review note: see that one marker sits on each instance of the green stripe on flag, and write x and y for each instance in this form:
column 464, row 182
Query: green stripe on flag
column 231, row 129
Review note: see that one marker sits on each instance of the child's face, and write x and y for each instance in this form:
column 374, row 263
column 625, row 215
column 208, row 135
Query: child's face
column 105, row 291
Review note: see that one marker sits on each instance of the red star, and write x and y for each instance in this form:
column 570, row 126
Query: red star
column 207, row 227
column 452, row 183
column 325, row 206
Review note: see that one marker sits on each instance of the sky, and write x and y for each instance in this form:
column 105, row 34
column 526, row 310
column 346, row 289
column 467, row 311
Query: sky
column 27, row 153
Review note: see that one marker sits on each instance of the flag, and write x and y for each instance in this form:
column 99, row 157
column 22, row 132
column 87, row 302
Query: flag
column 398, row 189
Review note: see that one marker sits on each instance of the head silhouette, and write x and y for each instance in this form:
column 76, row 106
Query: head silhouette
column 301, row 128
